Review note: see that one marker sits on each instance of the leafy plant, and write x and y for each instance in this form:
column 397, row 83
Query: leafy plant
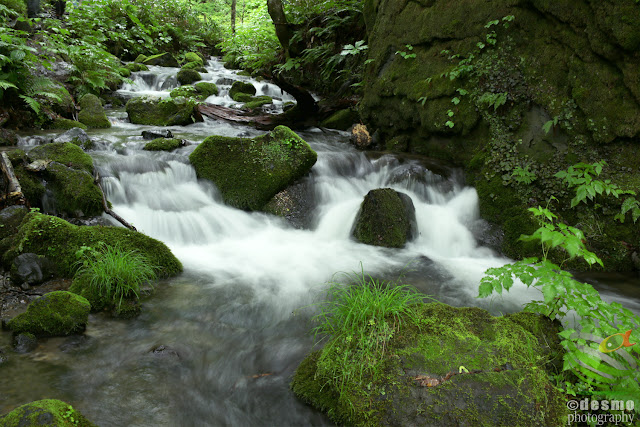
column 523, row 176
column 354, row 49
column 115, row 273
column 630, row 204
column 406, row 55
column 495, row 100
column 360, row 319
column 564, row 295
column 581, row 176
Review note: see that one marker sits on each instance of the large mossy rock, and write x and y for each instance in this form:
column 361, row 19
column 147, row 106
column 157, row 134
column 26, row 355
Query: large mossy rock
column 386, row 218
column 421, row 384
column 242, row 91
column 250, row 171
column 69, row 173
column 187, row 76
column 59, row 241
column 161, row 112
column 47, row 412
column 57, row 313
column 163, row 144
column 92, row 113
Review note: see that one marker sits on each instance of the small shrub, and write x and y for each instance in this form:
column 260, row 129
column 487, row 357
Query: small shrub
column 115, row 273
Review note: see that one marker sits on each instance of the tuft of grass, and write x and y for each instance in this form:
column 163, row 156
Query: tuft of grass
column 116, row 273
column 360, row 318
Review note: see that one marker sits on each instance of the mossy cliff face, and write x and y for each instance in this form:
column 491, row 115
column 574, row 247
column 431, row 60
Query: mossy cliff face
column 57, row 313
column 161, row 112
column 47, row 412
column 474, row 83
column 59, row 241
column 250, row 171
column 508, row 359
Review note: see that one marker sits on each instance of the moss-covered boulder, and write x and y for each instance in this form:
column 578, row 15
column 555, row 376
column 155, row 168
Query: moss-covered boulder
column 341, row 120
column 186, row 76
column 124, row 72
column 193, row 57
column 206, row 89
column 92, row 113
column 47, row 412
column 421, row 381
column 250, row 171
column 386, row 218
column 61, row 123
column 161, row 112
column 134, row 67
column 57, row 313
column 257, row 102
column 52, row 96
column 163, row 144
column 238, row 88
column 59, row 241
column 65, row 153
column 195, row 66
column 140, row 59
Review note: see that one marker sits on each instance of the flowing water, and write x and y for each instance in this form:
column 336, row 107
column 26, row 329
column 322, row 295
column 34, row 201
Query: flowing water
column 236, row 323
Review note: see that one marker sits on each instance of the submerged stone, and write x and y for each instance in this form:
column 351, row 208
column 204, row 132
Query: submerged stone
column 250, row 171
column 386, row 218
column 57, row 313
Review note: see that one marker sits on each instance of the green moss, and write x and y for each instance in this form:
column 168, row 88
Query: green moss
column 507, row 384
column 206, row 89
column 59, row 240
column 134, row 67
column 177, row 111
column 32, row 186
column 193, row 57
column 257, row 101
column 385, row 219
column 124, row 72
column 195, row 66
column 163, row 144
column 92, row 113
column 18, row 6
column 60, row 123
column 140, row 58
column 65, row 153
column 186, row 77
column 185, row 91
column 249, row 172
column 57, row 313
column 238, row 88
column 75, row 192
column 341, row 120
column 50, row 411
column 242, row 97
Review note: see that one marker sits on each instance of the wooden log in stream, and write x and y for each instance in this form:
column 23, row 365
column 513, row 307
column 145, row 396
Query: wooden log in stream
column 12, row 191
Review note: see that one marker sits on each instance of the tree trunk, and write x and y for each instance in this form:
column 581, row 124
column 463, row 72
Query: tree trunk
column 233, row 17
column 283, row 32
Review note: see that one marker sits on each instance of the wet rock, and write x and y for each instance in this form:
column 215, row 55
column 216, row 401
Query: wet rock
column 360, row 137
column 295, row 203
column 164, row 144
column 92, row 113
column 25, row 343
column 57, row 313
column 8, row 138
column 161, row 112
column 31, row 269
column 154, row 134
column 10, row 219
column 47, row 412
column 76, row 136
column 186, row 76
column 250, row 171
column 165, row 351
column 241, row 88
column 224, row 81
column 386, row 218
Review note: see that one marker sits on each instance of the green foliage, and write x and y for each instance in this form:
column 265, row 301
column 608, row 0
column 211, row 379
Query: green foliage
column 523, row 176
column 581, row 176
column 354, row 49
column 360, row 319
column 494, row 100
column 630, row 204
column 406, row 55
column 563, row 295
column 115, row 273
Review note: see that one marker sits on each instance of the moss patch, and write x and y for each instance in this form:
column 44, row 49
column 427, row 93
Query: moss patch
column 57, row 313
column 257, row 101
column 59, row 240
column 249, row 172
column 163, row 144
column 134, row 67
column 92, row 113
column 60, row 123
column 238, row 88
column 206, row 89
column 47, row 412
column 161, row 112
column 75, row 192
column 65, row 153
column 186, row 76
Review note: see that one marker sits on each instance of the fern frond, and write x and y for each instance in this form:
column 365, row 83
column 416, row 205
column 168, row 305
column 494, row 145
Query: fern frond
column 32, row 103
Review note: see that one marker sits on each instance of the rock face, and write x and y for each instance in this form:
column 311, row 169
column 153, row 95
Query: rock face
column 47, row 412
column 250, row 171
column 57, row 313
column 91, row 112
column 386, row 218
column 161, row 112
column 422, row 384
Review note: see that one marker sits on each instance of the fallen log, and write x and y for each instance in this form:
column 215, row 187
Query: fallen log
column 261, row 121
column 13, row 192
column 97, row 179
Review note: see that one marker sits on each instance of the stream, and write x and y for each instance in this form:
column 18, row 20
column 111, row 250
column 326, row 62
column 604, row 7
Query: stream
column 218, row 344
